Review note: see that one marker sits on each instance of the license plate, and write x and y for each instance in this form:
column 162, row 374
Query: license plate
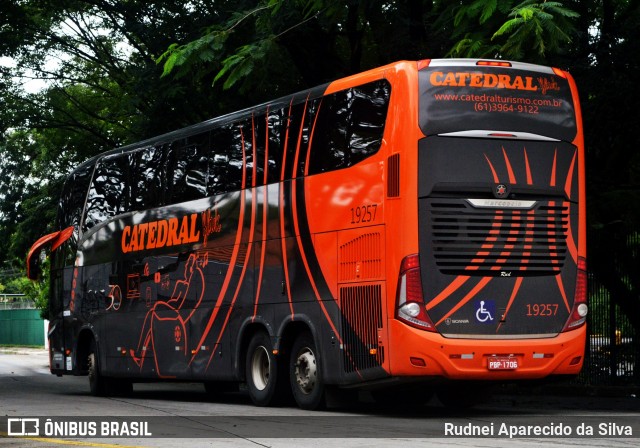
column 502, row 363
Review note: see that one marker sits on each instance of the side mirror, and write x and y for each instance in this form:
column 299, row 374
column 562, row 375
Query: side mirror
column 37, row 254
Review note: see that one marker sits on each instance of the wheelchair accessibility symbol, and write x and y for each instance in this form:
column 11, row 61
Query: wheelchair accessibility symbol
column 485, row 311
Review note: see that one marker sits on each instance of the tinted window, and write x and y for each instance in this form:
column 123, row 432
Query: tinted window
column 149, row 180
column 188, row 168
column 349, row 127
column 73, row 197
column 109, row 192
column 70, row 211
column 225, row 169
column 276, row 124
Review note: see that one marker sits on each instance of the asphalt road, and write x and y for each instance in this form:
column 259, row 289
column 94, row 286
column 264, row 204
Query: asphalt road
column 182, row 414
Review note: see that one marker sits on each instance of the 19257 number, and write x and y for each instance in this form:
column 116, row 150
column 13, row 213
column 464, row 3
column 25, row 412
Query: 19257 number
column 363, row 213
column 542, row 309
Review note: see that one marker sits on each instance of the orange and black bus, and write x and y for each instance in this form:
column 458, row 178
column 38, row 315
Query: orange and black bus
column 420, row 223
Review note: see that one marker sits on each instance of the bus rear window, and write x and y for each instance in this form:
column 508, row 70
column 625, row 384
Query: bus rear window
column 459, row 98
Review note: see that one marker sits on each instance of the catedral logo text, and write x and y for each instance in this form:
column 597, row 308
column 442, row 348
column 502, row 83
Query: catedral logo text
column 162, row 233
column 483, row 80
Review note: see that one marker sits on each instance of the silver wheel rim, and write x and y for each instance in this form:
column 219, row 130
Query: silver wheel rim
column 260, row 367
column 306, row 371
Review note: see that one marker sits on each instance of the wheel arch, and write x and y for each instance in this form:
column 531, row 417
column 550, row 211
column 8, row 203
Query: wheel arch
column 289, row 331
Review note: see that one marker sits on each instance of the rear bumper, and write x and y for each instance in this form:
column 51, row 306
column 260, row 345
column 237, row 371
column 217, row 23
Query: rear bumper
column 469, row 358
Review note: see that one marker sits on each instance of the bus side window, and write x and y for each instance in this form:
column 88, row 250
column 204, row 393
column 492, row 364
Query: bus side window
column 275, row 120
column 187, row 168
column 70, row 210
column 149, row 181
column 109, row 191
column 225, row 168
column 350, row 126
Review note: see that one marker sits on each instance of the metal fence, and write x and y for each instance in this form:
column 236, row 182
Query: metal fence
column 613, row 345
column 15, row 302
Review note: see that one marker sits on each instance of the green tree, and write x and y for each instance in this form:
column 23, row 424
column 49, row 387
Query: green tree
column 532, row 30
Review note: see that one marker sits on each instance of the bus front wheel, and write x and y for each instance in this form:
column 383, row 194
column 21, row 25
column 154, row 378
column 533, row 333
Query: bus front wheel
column 305, row 373
column 102, row 386
column 97, row 383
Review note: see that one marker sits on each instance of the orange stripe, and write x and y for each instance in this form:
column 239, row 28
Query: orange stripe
column 512, row 177
column 283, row 244
column 526, row 162
column 571, row 243
column 476, row 289
column 507, row 247
column 493, row 171
column 244, row 161
column 265, row 215
column 313, row 128
column 156, row 358
column 315, row 288
column 253, row 149
column 266, row 149
column 453, row 287
column 562, row 291
column 495, row 230
column 552, row 182
column 516, row 287
column 567, row 185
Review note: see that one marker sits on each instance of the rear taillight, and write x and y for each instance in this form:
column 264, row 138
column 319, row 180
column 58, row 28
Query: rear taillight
column 578, row 315
column 410, row 307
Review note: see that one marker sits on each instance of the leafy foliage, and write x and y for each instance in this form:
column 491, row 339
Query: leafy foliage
column 532, row 29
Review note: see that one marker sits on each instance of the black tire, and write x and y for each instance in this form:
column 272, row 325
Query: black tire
column 262, row 372
column 305, row 373
column 98, row 384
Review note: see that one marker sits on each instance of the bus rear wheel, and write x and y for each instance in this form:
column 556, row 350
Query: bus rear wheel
column 262, row 372
column 305, row 373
